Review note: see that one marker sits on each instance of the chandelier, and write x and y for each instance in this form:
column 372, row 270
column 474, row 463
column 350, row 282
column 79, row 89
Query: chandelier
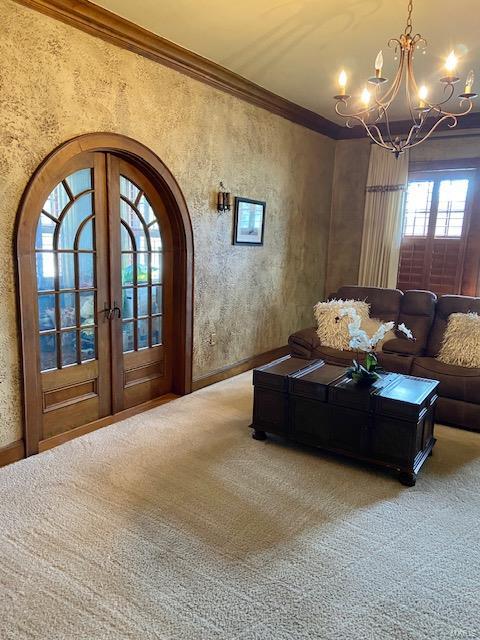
column 425, row 116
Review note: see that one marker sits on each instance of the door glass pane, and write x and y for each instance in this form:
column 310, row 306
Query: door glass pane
column 452, row 198
column 157, row 299
column 46, row 312
column 86, row 277
column 127, row 268
column 126, row 239
column 156, row 267
column 142, row 334
column 45, row 271
column 69, row 347
column 87, row 344
column 127, row 331
column 142, row 301
column 48, row 351
column 142, row 267
column 127, row 303
column 417, row 208
column 135, row 225
column 45, row 229
column 155, row 238
column 157, row 330
column 85, row 242
column 128, row 189
column 80, row 181
column 142, row 270
column 57, row 201
column 66, row 270
column 80, row 209
column 87, row 307
column 146, row 210
column 67, row 310
column 66, row 265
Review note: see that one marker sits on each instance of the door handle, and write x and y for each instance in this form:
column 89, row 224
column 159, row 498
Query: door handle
column 116, row 310
column 107, row 312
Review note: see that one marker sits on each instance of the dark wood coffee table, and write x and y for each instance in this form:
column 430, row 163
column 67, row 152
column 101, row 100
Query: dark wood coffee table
column 389, row 424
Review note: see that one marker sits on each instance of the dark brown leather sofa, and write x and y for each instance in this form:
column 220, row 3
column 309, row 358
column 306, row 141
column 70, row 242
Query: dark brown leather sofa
column 427, row 317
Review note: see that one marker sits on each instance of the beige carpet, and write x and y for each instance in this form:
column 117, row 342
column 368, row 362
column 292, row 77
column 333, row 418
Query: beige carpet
column 176, row 524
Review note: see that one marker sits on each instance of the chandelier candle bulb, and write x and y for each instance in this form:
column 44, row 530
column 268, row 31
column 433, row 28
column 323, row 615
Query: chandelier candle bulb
column 422, row 95
column 342, row 82
column 451, row 62
column 365, row 97
column 469, row 82
column 378, row 64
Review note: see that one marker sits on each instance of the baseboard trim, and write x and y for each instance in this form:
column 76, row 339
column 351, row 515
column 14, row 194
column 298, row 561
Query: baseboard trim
column 239, row 367
column 112, row 28
column 12, row 453
column 61, row 438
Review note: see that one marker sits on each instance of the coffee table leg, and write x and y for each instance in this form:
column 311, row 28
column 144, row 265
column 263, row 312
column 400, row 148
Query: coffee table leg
column 407, row 478
column 259, row 435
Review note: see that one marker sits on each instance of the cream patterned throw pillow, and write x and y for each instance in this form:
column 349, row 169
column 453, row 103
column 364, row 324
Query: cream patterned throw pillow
column 333, row 330
column 461, row 341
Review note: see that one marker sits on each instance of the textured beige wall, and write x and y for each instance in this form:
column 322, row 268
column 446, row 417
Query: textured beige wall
column 448, row 147
column 348, row 204
column 57, row 83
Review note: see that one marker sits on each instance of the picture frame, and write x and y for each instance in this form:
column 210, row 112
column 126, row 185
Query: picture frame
column 249, row 222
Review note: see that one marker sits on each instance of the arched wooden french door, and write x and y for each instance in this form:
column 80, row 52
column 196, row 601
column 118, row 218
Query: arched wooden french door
column 105, row 285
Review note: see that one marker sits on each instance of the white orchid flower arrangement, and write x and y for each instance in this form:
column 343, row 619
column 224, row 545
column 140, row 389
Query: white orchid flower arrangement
column 361, row 341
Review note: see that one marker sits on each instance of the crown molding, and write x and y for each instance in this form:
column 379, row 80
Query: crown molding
column 112, row 28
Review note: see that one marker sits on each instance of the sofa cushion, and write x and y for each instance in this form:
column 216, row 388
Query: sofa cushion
column 461, row 340
column 334, row 356
column 447, row 305
column 395, row 362
column 417, row 311
column 332, row 328
column 384, row 303
column 460, row 383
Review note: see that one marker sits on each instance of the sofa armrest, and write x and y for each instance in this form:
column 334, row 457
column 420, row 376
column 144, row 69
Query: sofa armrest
column 403, row 346
column 304, row 342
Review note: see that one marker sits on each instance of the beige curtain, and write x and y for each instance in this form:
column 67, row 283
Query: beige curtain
column 383, row 220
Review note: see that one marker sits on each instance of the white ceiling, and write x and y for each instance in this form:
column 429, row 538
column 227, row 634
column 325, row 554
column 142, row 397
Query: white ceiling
column 296, row 48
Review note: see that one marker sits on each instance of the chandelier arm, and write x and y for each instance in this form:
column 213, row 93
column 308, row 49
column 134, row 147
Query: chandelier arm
column 387, row 124
column 452, row 114
column 438, row 105
column 354, row 114
column 391, row 94
column 437, row 124
column 379, row 141
column 413, row 133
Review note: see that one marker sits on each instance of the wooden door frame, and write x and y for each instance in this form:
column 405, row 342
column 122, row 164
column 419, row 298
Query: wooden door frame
column 43, row 180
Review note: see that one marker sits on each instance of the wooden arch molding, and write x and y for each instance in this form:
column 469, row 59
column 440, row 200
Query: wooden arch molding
column 51, row 171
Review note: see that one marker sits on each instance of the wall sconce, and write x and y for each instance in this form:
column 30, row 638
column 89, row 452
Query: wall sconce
column 224, row 199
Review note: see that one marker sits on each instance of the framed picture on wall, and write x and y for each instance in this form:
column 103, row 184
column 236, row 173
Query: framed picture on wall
column 249, row 222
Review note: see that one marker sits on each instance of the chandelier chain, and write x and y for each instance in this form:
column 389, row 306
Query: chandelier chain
column 409, row 27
